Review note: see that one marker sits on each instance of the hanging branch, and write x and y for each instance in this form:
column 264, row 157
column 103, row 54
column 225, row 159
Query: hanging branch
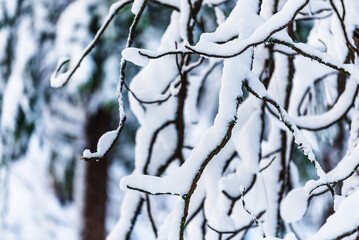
column 110, row 138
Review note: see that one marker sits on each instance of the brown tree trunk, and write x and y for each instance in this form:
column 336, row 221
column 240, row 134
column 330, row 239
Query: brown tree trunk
column 95, row 196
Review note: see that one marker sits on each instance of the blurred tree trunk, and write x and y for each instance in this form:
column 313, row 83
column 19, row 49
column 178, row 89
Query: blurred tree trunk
column 95, row 196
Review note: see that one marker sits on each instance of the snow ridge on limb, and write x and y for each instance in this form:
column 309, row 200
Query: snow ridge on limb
column 104, row 145
column 256, row 87
column 314, row 54
column 190, row 172
column 261, row 34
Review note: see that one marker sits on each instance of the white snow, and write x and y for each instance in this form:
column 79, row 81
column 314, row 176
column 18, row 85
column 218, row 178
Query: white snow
column 133, row 55
column 136, row 6
column 247, row 142
column 103, row 145
column 344, row 220
column 185, row 19
column 129, row 206
column 294, row 205
column 263, row 30
column 58, row 79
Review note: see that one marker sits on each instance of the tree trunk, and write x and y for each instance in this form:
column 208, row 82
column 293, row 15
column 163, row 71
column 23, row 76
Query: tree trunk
column 94, row 212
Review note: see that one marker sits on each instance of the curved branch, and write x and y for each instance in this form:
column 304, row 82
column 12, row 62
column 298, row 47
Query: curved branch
column 235, row 232
column 141, row 101
column 153, row 141
column 261, row 35
column 314, row 54
column 105, row 143
column 342, row 25
column 155, row 55
column 332, row 116
column 268, row 164
column 307, row 91
column 336, row 113
column 60, row 79
column 110, row 138
column 333, row 183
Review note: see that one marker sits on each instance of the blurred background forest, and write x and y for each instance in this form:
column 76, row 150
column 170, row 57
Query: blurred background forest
column 46, row 191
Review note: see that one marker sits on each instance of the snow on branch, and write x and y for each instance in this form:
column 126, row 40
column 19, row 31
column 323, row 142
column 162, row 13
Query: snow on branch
column 338, row 111
column 345, row 168
column 141, row 57
column 257, row 88
column 210, row 145
column 343, row 223
column 261, row 34
column 104, row 145
column 314, row 54
column 255, row 220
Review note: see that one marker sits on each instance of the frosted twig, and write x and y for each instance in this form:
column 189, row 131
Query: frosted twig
column 235, row 232
column 255, row 220
column 152, row 193
column 155, row 55
column 314, row 54
column 235, row 199
column 161, row 99
column 255, row 87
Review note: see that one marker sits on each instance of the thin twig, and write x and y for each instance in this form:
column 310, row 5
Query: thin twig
column 255, row 220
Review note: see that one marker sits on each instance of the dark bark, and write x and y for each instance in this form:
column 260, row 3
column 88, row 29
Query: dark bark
column 95, row 196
